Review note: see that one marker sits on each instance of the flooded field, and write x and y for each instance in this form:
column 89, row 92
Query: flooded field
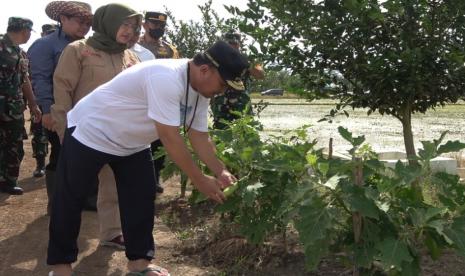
column 383, row 133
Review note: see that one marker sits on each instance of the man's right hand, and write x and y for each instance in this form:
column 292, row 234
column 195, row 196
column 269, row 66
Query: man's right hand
column 48, row 122
column 209, row 187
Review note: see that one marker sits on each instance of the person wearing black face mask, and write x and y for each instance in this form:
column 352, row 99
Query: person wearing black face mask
column 154, row 26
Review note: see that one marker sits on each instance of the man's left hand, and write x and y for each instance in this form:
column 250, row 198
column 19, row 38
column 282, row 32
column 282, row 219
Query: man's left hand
column 36, row 113
column 225, row 179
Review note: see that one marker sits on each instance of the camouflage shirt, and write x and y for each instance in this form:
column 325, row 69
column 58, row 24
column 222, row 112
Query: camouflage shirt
column 13, row 73
column 231, row 105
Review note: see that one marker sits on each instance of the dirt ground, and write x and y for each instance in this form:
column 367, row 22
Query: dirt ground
column 181, row 233
column 24, row 235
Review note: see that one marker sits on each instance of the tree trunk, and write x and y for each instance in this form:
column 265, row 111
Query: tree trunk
column 406, row 121
column 410, row 149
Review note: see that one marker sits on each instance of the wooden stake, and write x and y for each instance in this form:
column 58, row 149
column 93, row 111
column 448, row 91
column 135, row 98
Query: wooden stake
column 356, row 216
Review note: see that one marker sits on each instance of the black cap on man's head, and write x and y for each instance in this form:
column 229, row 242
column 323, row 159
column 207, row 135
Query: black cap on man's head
column 19, row 23
column 231, row 64
column 156, row 16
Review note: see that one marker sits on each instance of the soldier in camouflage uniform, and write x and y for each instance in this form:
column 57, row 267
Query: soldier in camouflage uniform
column 39, row 144
column 230, row 105
column 14, row 81
column 39, row 139
column 154, row 26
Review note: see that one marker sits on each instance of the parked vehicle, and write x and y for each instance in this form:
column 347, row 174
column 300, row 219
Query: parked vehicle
column 273, row 92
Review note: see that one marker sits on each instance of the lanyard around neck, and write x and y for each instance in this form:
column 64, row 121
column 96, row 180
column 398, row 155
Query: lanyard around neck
column 186, row 130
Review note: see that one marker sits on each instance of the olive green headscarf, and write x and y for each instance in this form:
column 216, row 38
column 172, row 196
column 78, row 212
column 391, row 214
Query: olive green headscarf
column 105, row 24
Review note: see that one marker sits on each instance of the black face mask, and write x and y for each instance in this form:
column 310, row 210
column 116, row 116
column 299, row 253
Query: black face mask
column 156, row 33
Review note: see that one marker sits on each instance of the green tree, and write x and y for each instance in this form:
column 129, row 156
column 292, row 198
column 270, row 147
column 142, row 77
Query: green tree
column 278, row 78
column 191, row 37
column 395, row 57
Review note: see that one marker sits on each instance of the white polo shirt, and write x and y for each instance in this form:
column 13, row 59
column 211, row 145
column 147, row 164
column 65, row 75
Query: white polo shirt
column 142, row 53
column 119, row 116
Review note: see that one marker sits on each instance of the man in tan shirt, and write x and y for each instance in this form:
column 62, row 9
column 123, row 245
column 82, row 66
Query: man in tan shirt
column 154, row 26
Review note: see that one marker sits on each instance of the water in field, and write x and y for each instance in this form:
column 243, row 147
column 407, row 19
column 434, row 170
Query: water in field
column 384, row 133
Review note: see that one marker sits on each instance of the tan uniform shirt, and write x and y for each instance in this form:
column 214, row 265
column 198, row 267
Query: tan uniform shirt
column 80, row 70
column 160, row 48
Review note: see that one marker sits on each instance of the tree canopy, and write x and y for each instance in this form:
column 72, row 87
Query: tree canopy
column 191, row 37
column 395, row 57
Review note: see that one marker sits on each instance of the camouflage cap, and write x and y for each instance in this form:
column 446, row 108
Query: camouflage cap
column 49, row 28
column 20, row 23
column 232, row 37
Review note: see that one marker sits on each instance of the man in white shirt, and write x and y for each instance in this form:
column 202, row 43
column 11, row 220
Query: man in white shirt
column 115, row 125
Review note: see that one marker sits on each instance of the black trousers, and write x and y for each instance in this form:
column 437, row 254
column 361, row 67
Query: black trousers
column 55, row 147
column 158, row 163
column 78, row 166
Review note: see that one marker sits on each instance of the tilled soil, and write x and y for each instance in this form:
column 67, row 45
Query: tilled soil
column 190, row 241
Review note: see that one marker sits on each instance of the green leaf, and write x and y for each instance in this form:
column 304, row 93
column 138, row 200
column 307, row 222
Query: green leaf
column 347, row 135
column 314, row 253
column 364, row 254
column 432, row 212
column 333, row 182
column 421, row 217
column 406, row 174
column 375, row 15
column 392, row 253
column 358, row 202
column 352, row 6
column 251, row 192
column 441, row 138
column 433, row 247
column 411, row 268
column 315, row 227
column 247, row 153
column 429, row 150
column 456, row 233
column 311, row 159
column 438, row 225
column 344, row 132
column 323, row 167
column 451, row 146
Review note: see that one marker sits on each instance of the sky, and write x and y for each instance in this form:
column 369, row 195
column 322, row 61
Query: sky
column 181, row 9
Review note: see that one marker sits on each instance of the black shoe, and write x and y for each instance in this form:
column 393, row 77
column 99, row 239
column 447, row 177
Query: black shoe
column 15, row 190
column 39, row 172
column 40, row 168
column 159, row 189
